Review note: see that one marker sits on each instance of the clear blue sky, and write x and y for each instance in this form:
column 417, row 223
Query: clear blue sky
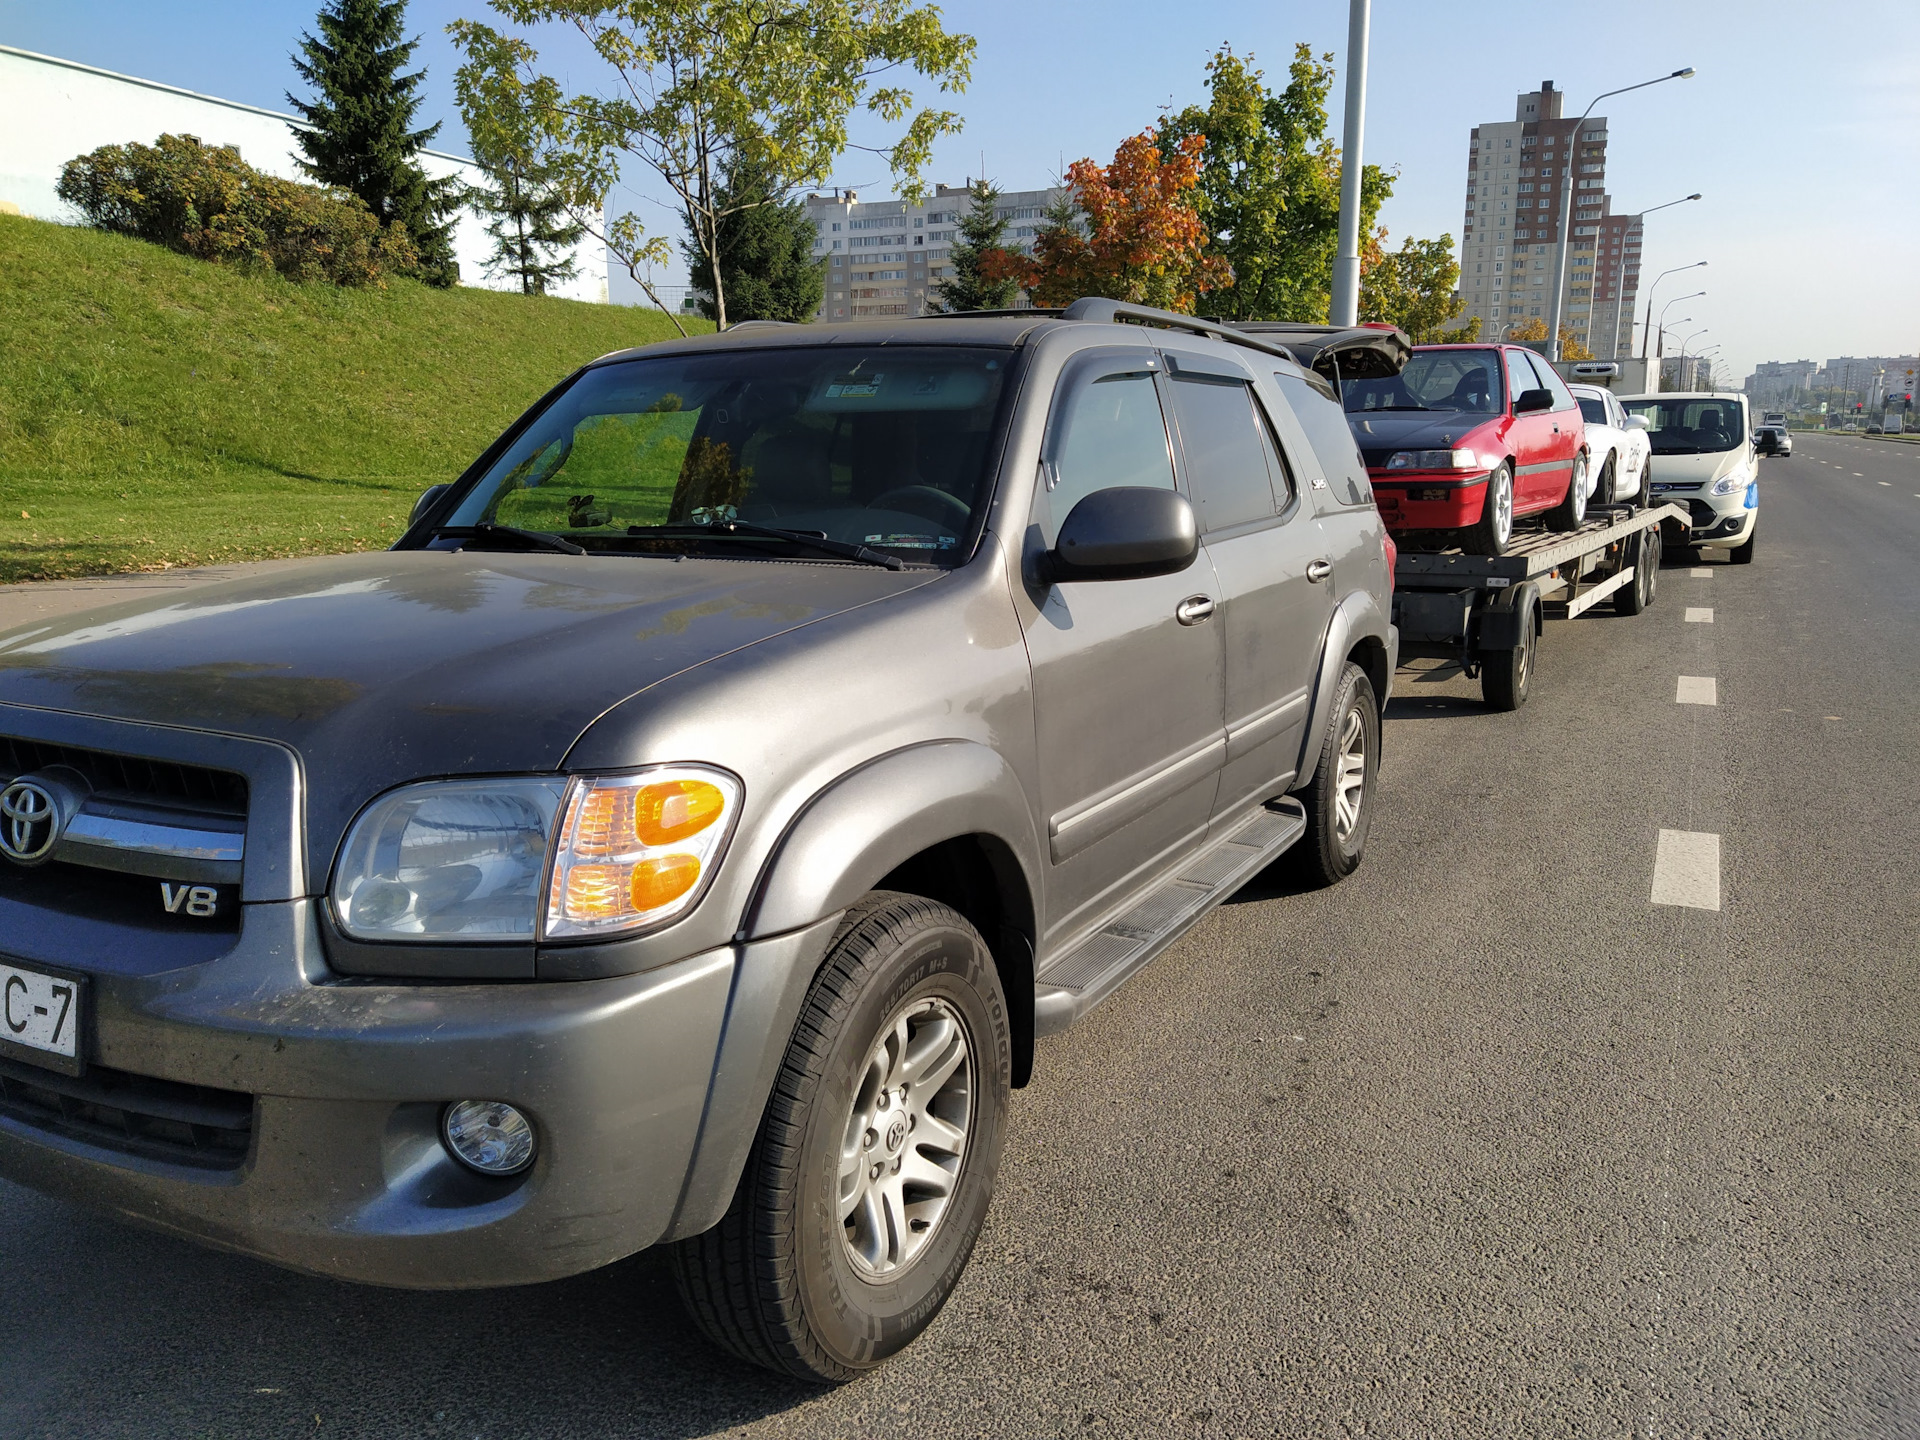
column 1793, row 129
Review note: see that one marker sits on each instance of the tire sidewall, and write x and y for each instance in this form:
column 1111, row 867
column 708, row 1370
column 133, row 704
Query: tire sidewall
column 1355, row 694
column 858, row 1321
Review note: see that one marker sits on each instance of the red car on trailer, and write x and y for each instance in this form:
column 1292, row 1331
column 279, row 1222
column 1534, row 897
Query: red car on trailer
column 1468, row 439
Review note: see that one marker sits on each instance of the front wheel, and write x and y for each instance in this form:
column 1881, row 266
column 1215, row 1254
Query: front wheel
column 1568, row 514
column 1339, row 799
column 1603, row 487
column 1489, row 535
column 1742, row 554
column 876, row 1158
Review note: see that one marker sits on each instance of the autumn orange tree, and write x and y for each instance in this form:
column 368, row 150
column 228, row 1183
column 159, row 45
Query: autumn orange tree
column 1126, row 231
column 1532, row 332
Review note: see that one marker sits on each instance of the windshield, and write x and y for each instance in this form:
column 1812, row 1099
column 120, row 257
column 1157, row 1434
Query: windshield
column 1594, row 412
column 886, row 448
column 1452, row 380
column 1692, row 427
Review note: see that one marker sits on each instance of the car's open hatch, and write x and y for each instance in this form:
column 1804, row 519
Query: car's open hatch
column 1362, row 352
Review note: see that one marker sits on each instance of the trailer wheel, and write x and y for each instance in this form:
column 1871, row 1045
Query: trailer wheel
column 1507, row 675
column 1339, row 799
column 1632, row 599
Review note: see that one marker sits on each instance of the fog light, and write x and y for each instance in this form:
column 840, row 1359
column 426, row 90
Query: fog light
column 488, row 1135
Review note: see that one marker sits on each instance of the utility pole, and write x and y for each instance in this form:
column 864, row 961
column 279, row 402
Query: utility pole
column 1345, row 309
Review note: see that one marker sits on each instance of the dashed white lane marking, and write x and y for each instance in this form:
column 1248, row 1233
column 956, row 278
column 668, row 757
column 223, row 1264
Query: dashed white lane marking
column 1696, row 690
column 1700, row 572
column 1858, row 476
column 1700, row 614
column 1887, row 483
column 1686, row 869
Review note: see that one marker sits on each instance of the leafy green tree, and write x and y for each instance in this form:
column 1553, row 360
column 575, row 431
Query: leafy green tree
column 695, row 83
column 767, row 269
column 1415, row 287
column 1269, row 191
column 980, row 279
column 361, row 112
column 533, row 231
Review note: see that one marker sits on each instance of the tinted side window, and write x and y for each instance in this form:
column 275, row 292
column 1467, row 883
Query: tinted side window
column 1108, row 433
column 1520, row 376
column 1550, row 377
column 1220, row 437
column 1325, row 424
column 1281, row 473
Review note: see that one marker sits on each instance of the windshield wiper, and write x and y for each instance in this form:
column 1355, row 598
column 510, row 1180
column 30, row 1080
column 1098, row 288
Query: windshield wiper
column 845, row 549
column 529, row 539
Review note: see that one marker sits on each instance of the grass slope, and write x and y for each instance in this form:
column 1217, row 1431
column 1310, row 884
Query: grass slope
column 159, row 411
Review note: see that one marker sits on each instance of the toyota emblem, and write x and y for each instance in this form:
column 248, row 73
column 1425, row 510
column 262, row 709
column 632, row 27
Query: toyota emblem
column 30, row 821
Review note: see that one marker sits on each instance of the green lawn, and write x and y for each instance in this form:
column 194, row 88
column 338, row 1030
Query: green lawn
column 158, row 411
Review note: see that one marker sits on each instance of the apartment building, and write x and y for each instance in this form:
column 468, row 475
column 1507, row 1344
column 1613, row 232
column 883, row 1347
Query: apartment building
column 883, row 257
column 1512, row 227
column 1778, row 384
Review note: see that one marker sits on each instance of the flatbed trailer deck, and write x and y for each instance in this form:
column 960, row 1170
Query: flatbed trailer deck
column 1486, row 612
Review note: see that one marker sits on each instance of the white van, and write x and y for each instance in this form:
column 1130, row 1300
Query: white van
column 1703, row 459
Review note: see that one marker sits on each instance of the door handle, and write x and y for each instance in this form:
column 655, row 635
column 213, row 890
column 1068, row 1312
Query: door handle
column 1318, row 570
column 1194, row 609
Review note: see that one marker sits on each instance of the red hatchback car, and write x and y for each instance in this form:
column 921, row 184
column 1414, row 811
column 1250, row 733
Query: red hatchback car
column 1468, row 438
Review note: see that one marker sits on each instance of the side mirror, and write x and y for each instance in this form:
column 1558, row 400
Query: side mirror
column 1532, row 400
column 1637, row 422
column 1127, row 533
column 425, row 503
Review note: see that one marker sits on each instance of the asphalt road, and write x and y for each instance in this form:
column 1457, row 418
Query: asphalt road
column 1481, row 1143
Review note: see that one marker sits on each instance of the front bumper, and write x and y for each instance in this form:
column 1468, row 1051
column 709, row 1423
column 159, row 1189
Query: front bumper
column 1720, row 520
column 1428, row 502
column 344, row 1173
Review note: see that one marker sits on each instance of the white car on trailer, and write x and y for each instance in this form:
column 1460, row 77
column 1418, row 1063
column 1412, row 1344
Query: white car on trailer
column 1617, row 448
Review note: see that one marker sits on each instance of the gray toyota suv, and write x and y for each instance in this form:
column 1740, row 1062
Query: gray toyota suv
column 684, row 833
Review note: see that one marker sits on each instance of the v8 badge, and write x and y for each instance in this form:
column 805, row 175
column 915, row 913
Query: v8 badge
column 200, row 901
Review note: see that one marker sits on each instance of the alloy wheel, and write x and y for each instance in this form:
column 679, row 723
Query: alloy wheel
column 905, row 1138
column 1350, row 776
column 1502, row 502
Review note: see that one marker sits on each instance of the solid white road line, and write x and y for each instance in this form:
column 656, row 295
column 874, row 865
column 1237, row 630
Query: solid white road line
column 1700, row 614
column 1700, row 572
column 1696, row 690
column 1686, row 869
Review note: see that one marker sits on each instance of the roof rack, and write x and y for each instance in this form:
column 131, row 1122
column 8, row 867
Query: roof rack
column 1113, row 312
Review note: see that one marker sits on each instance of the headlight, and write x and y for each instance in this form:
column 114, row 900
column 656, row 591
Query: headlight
column 1727, row 484
column 1433, row 460
column 479, row 860
column 450, row 859
column 636, row 850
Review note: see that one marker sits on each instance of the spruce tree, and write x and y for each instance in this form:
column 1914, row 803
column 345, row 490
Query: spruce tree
column 360, row 114
column 532, row 229
column 982, row 230
column 766, row 252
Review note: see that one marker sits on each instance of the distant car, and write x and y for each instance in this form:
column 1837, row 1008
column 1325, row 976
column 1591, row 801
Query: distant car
column 1468, row 439
column 1773, row 440
column 1617, row 447
column 1703, row 460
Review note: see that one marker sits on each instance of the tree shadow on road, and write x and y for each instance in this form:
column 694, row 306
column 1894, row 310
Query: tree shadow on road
column 125, row 1332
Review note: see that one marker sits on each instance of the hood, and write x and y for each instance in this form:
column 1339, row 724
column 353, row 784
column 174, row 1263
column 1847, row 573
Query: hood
column 1695, row 469
column 389, row 667
column 1381, row 432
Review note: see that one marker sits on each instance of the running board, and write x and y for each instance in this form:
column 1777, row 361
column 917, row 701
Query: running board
column 1072, row 983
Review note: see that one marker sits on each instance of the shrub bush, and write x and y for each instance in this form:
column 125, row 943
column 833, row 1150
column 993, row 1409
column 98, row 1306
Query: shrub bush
column 205, row 201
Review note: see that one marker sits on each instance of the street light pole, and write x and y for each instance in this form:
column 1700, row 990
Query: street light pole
column 1620, row 278
column 1345, row 309
column 1646, row 334
column 1566, row 206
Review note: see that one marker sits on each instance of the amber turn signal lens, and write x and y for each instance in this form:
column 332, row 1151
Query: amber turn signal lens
column 663, row 881
column 671, row 810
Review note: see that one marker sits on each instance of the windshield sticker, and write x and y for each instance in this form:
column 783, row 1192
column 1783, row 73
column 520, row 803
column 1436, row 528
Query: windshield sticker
column 855, row 389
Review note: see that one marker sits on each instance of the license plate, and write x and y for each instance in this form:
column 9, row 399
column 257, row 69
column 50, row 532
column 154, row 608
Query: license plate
column 42, row 1014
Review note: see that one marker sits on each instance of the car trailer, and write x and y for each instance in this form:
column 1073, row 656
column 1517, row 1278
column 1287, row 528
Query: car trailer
column 1485, row 612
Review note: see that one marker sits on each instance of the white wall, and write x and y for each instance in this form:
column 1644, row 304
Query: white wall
column 53, row 110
